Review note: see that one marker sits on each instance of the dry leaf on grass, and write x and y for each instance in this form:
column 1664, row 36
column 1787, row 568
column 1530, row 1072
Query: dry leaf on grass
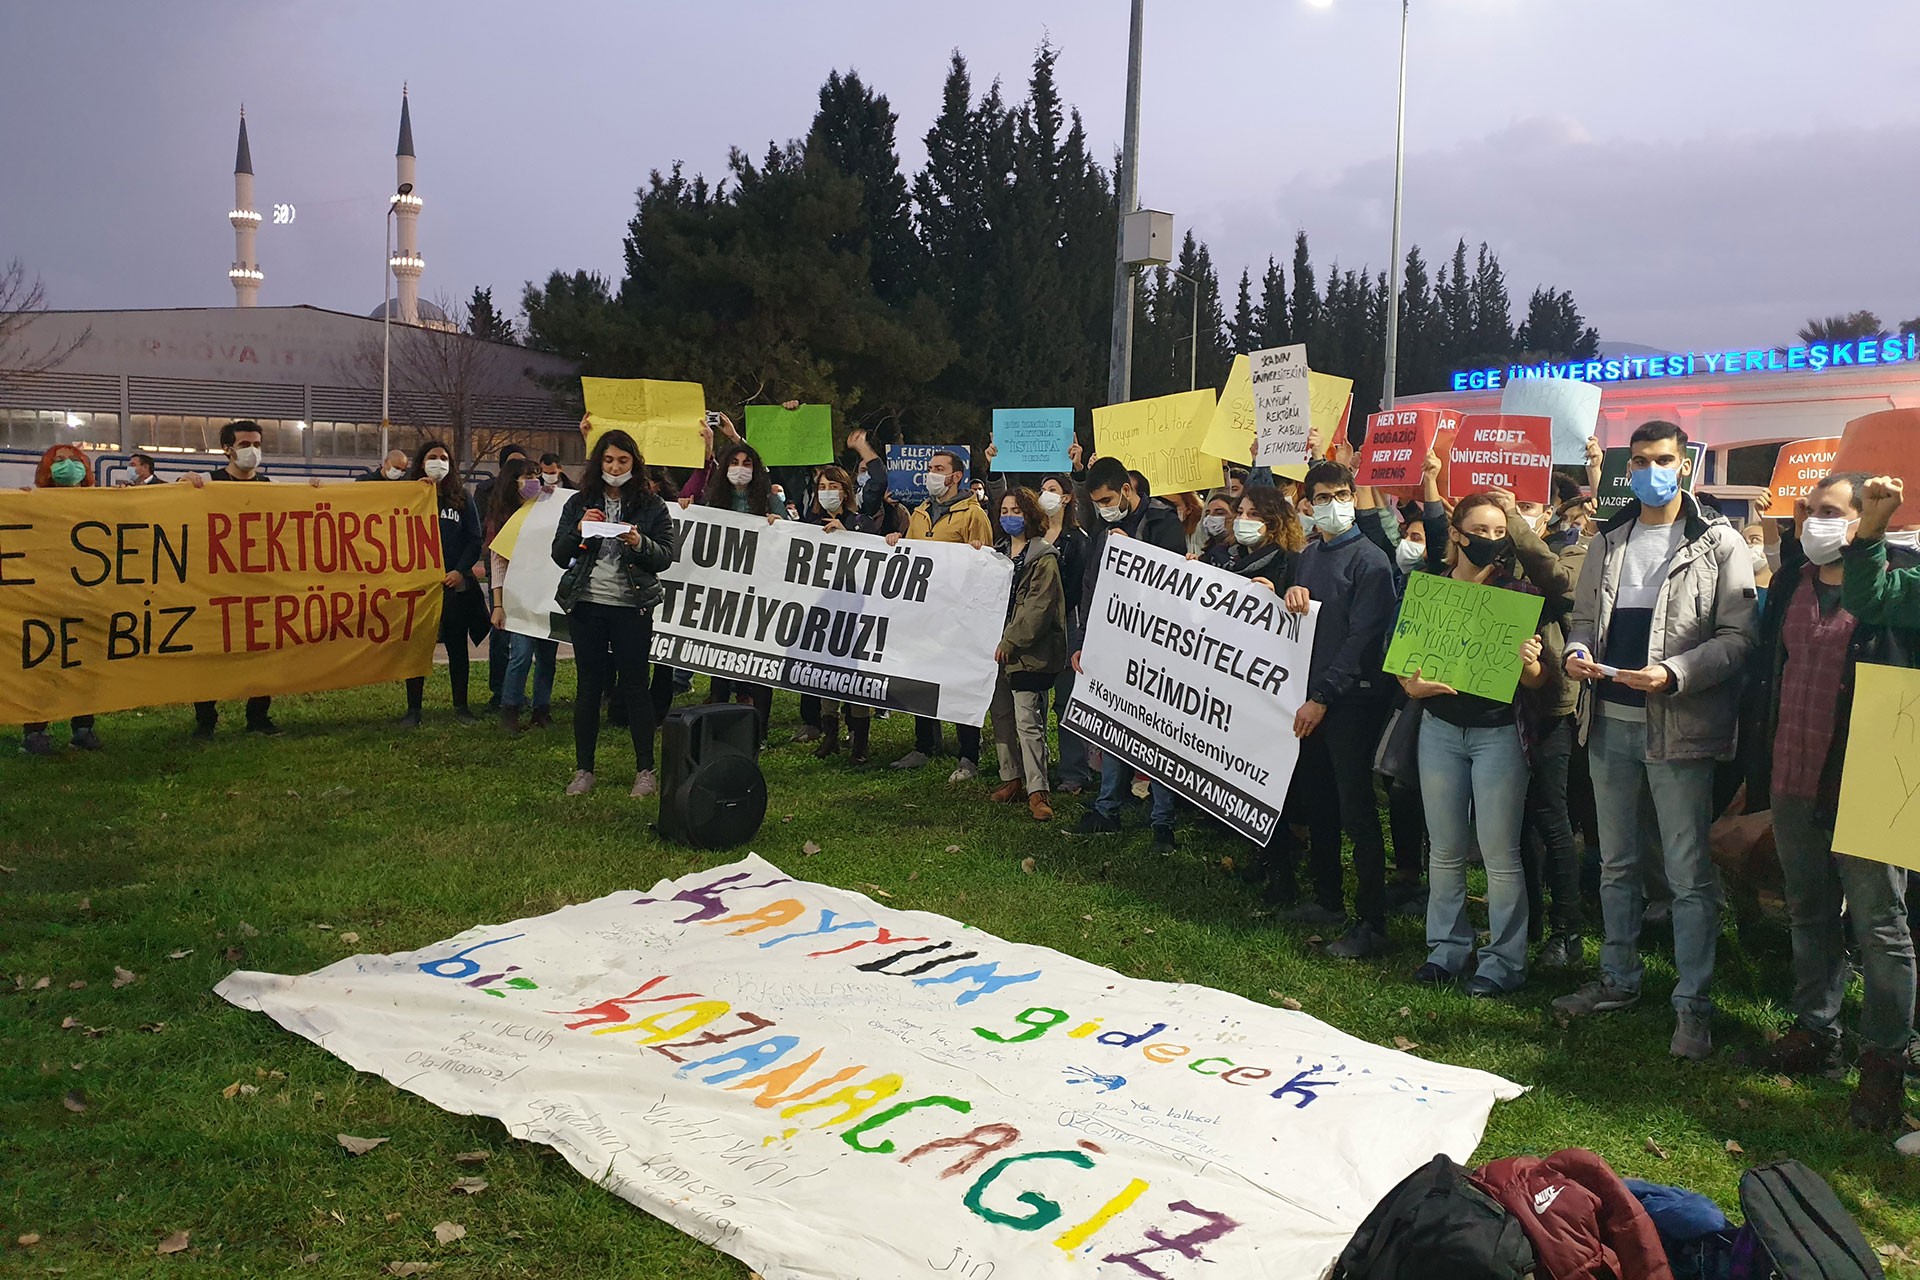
column 78, row 984
column 1027, row 865
column 43, row 984
column 448, row 1232
column 69, row 1022
column 308, row 1259
column 75, row 1101
column 472, row 1157
column 248, row 1090
column 1785, row 1082
column 153, row 1028
column 1404, row 1045
column 1734, row 1148
column 327, row 927
column 233, row 954
column 230, row 1090
column 28, row 1240
column 809, row 848
column 1654, row 1149
column 182, row 954
column 175, row 1243
column 357, row 1146
column 953, row 848
column 912, row 876
column 349, row 938
column 469, row 1186
column 248, row 931
column 1405, row 1012
column 122, row 977
column 1285, row 1002
column 411, row 1268
column 8, row 870
column 393, row 1217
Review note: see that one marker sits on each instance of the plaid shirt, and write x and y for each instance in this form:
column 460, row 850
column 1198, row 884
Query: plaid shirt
column 1815, row 645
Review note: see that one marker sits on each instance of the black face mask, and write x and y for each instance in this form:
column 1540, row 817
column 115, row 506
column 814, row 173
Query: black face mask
column 1485, row 551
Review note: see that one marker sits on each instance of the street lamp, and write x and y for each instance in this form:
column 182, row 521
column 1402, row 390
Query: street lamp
column 386, row 319
column 1127, row 193
column 1193, row 355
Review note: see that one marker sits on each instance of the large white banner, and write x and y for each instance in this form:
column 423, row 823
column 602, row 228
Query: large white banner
column 824, row 1087
column 1193, row 675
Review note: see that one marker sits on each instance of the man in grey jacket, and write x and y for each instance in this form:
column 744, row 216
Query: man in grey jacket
column 1663, row 621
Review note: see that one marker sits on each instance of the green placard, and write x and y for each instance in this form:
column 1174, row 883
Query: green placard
column 1616, row 491
column 1462, row 634
column 800, row 437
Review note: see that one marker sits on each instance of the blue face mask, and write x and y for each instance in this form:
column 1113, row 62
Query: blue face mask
column 1655, row 486
column 1013, row 525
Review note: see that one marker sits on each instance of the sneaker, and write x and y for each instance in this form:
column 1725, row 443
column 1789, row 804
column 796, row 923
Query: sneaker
column 1433, row 975
column 1162, row 840
column 88, row 740
column 1009, row 792
column 1481, row 987
column 1360, row 941
column 911, row 760
column 1413, row 908
column 966, row 772
column 1564, row 951
column 1800, row 1051
column 581, row 784
column 1095, row 823
column 510, row 719
column 40, row 744
column 1314, row 914
column 644, row 785
column 1878, row 1098
column 1599, row 996
column 1657, row 913
column 1040, row 805
column 411, row 720
column 1692, row 1037
column 264, row 728
column 465, row 716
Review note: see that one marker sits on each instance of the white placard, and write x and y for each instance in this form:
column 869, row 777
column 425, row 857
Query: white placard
column 1573, row 406
column 1282, row 405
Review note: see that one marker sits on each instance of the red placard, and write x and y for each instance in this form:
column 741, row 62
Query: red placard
column 1886, row 443
column 1447, row 425
column 1397, row 445
column 1502, row 451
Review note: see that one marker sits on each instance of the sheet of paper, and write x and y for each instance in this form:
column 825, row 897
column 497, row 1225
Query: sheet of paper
column 603, row 528
column 1028, row 441
column 1573, row 406
column 1880, row 781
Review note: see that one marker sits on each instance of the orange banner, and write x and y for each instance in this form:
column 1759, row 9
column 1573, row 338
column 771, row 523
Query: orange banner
column 1800, row 465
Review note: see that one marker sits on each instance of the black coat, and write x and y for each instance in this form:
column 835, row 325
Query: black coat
column 642, row 564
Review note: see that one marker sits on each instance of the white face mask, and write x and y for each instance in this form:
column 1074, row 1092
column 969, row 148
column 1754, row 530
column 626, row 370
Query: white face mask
column 1410, row 554
column 1214, row 525
column 1908, row 538
column 394, row 473
column 1823, row 540
column 549, row 479
column 1249, row 532
column 1333, row 518
column 936, row 484
column 739, row 477
column 436, row 468
column 1759, row 558
column 829, row 499
column 1050, row 501
column 1113, row 514
column 247, row 457
column 613, row 481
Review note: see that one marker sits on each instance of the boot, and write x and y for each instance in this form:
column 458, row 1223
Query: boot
column 1040, row 805
column 857, row 730
column 1878, row 1098
column 543, row 717
column 829, row 738
column 1009, row 792
column 510, row 719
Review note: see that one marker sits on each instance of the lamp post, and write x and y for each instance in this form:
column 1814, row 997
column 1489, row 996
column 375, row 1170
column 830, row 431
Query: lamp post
column 1127, row 182
column 1394, row 267
column 1193, row 351
column 386, row 323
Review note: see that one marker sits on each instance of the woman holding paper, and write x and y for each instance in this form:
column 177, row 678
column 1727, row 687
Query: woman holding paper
column 460, row 550
column 1473, row 764
column 614, row 541
column 1032, row 651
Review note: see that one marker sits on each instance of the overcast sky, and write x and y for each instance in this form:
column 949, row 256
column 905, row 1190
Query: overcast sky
column 1701, row 173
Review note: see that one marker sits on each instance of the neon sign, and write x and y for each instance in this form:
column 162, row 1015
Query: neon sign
column 1813, row 357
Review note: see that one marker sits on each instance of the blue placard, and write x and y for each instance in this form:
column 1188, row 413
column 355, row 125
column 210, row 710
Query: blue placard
column 1032, row 440
column 906, row 463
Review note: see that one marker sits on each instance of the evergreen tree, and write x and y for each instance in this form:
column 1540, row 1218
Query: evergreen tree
column 1273, row 323
column 1454, row 293
column 1492, row 333
column 853, row 131
column 1303, row 319
column 484, row 322
column 1244, row 331
column 1554, row 329
column 1419, row 363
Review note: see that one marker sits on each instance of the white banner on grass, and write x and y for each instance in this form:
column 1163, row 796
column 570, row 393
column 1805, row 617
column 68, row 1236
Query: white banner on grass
column 822, row 1086
column 1193, row 676
column 910, row 627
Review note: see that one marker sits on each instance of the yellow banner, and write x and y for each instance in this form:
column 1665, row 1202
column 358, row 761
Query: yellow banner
column 1880, row 778
column 1161, row 439
column 1230, row 430
column 119, row 598
column 664, row 418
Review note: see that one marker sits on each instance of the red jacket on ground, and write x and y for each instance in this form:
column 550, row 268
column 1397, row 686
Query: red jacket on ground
column 1582, row 1220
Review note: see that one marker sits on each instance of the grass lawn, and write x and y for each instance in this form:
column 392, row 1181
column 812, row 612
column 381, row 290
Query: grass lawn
column 179, row 862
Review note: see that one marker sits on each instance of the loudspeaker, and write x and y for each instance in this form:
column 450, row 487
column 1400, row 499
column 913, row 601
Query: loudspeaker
column 712, row 794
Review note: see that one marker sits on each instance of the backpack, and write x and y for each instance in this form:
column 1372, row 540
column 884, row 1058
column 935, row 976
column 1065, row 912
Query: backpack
column 1797, row 1230
column 1436, row 1225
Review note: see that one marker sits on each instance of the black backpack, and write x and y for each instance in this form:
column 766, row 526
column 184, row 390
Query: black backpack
column 1797, row 1230
column 1436, row 1225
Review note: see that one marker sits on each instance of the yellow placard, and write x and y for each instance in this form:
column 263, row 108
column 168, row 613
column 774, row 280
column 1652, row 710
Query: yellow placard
column 1230, row 431
column 1880, row 781
column 118, row 598
column 1328, row 398
column 664, row 418
column 1161, row 439
column 509, row 536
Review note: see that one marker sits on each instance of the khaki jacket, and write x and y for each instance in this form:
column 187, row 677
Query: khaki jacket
column 965, row 521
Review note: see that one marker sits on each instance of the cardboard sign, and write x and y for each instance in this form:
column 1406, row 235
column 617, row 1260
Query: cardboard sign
column 1031, row 441
column 801, row 437
column 664, row 418
column 1398, row 441
column 1880, row 781
column 1886, row 444
column 1799, row 466
column 1502, row 451
column 1573, row 406
column 907, row 469
column 1462, row 634
column 1230, row 431
column 1160, row 438
column 1616, row 487
column 1283, row 405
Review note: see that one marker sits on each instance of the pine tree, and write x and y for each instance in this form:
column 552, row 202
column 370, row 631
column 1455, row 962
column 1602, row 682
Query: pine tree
column 1418, row 361
column 1492, row 309
column 1554, row 329
column 1303, row 319
column 1454, row 293
column 1244, row 331
column 853, row 131
column 1273, row 323
column 485, row 322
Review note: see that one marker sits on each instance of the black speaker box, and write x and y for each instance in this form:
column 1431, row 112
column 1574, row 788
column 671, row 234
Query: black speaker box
column 712, row 794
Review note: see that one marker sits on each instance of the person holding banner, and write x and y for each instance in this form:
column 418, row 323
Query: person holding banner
column 63, row 466
column 1256, row 544
column 1799, row 706
column 460, row 548
column 519, row 483
column 1057, row 507
column 739, row 481
column 1032, row 651
column 834, row 510
column 608, row 591
column 1662, row 627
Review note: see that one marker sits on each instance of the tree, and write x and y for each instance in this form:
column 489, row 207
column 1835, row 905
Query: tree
column 1242, row 331
column 1304, row 317
column 853, row 131
column 1272, row 324
column 1454, row 294
column 1847, row 328
column 22, row 302
column 1554, row 329
column 1419, row 365
column 487, row 324
column 1492, row 332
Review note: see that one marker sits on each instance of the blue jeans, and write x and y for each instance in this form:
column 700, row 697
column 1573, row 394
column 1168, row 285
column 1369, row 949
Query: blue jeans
column 1116, row 784
column 1075, row 765
column 1474, row 781
column 525, row 652
column 1682, row 795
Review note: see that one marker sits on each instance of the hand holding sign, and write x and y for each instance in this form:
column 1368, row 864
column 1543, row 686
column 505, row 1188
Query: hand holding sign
column 1503, row 451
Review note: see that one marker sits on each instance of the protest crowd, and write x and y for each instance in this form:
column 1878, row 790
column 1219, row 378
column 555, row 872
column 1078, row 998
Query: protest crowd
column 1680, row 672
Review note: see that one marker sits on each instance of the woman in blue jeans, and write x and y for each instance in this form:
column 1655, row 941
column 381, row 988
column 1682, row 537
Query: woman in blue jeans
column 1473, row 767
column 517, row 485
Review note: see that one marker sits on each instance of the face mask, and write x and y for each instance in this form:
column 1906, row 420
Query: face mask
column 1050, row 501
column 613, row 481
column 1113, row 514
column 394, row 473
column 1214, row 525
column 531, row 488
column 436, row 468
column 1482, row 552
column 777, row 496
column 68, row 472
column 1759, row 558
column 936, row 484
column 1908, row 538
column 829, row 499
column 979, row 494
column 1014, row 526
column 860, row 484
column 549, row 479
column 1655, row 486
column 247, row 457
column 1411, row 555
column 1823, row 540
column 1333, row 518
column 1248, row 533
column 739, row 477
